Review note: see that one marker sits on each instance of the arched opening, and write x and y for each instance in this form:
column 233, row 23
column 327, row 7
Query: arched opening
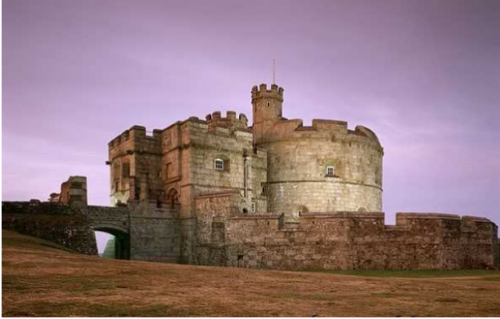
column 172, row 197
column 112, row 243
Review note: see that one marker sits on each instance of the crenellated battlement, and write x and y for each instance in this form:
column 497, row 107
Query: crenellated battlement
column 321, row 125
column 135, row 136
column 366, row 132
column 320, row 128
column 262, row 92
column 230, row 122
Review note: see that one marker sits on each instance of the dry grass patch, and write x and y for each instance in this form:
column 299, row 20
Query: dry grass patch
column 41, row 280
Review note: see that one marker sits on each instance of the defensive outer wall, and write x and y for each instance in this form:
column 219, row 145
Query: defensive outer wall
column 341, row 240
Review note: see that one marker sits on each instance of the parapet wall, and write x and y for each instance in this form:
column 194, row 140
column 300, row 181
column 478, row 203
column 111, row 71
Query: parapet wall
column 346, row 240
column 58, row 223
column 320, row 128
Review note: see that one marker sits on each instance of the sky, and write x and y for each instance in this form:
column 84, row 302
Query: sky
column 423, row 74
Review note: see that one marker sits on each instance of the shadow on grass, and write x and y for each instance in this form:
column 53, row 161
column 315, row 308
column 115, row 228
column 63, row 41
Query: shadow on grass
column 80, row 309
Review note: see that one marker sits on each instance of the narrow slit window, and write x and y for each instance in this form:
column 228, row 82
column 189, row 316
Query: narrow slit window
column 329, row 171
column 219, row 164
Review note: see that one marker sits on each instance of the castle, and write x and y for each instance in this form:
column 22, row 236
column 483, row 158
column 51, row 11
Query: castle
column 276, row 165
column 277, row 195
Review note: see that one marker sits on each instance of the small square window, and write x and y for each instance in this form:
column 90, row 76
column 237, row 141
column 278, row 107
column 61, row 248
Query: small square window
column 219, row 164
column 329, row 171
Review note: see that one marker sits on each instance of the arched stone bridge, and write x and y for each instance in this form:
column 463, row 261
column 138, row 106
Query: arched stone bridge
column 115, row 221
column 142, row 229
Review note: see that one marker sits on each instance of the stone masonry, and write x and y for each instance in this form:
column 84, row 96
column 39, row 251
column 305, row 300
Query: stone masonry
column 282, row 195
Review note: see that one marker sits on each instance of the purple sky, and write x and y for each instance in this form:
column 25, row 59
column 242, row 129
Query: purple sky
column 424, row 75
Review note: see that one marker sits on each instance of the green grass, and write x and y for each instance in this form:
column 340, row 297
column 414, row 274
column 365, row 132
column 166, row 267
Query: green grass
column 415, row 273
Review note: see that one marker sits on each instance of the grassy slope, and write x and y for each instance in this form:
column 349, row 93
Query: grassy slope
column 41, row 280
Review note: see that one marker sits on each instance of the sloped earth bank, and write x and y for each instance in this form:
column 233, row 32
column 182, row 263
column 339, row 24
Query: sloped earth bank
column 39, row 279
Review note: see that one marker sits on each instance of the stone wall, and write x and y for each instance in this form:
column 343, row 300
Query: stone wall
column 188, row 161
column 225, row 236
column 108, row 218
column 55, row 222
column 73, row 192
column 143, row 231
column 155, row 232
column 341, row 240
column 245, row 168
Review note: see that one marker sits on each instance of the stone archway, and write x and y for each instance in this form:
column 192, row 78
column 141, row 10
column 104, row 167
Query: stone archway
column 122, row 240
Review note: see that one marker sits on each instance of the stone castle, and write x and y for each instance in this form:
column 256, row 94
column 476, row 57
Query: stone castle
column 277, row 165
column 276, row 195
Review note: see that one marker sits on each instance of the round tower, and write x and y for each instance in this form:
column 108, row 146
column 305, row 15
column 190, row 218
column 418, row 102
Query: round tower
column 321, row 168
column 267, row 109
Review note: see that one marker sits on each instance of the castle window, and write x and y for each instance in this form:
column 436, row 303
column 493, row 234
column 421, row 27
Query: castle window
column 117, row 185
column 222, row 163
column 219, row 164
column 329, row 171
column 254, row 207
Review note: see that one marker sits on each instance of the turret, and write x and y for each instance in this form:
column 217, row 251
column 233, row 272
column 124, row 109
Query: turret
column 267, row 109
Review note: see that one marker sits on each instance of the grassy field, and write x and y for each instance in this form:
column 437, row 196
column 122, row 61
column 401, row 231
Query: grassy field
column 38, row 279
